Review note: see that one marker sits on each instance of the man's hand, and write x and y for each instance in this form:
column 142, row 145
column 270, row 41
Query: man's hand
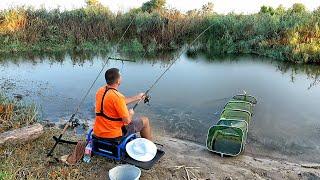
column 135, row 98
column 131, row 112
column 141, row 96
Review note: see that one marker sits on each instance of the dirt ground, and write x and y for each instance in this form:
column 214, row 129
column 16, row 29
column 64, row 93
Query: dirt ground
column 206, row 165
column 183, row 160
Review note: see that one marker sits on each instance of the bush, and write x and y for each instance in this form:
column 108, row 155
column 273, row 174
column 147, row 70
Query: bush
column 286, row 36
column 133, row 46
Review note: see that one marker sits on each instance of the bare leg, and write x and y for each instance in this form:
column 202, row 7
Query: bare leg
column 146, row 130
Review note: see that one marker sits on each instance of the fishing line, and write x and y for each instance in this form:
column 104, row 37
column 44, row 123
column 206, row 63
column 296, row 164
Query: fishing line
column 171, row 64
column 75, row 123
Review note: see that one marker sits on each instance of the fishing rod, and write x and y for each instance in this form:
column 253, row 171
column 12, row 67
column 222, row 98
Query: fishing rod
column 75, row 122
column 147, row 98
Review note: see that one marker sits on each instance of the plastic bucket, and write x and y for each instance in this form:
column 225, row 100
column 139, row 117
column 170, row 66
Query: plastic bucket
column 124, row 172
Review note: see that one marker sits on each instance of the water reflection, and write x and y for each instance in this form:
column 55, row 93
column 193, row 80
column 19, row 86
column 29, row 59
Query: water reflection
column 81, row 57
column 311, row 70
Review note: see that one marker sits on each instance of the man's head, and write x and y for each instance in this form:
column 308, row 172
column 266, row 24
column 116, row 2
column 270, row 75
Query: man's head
column 113, row 76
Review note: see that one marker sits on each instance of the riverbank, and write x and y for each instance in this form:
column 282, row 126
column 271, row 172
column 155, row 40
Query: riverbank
column 182, row 159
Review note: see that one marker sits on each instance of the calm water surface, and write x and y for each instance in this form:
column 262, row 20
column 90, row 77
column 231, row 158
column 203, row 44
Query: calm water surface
column 187, row 101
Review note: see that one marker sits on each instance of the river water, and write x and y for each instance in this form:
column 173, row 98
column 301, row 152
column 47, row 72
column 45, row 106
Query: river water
column 187, row 101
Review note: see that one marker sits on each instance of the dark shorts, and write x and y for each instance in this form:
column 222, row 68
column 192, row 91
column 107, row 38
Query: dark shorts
column 135, row 126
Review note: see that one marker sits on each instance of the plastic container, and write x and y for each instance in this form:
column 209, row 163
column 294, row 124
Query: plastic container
column 124, row 172
column 87, row 153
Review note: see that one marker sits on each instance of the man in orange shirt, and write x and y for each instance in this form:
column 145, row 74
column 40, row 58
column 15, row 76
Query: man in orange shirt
column 113, row 118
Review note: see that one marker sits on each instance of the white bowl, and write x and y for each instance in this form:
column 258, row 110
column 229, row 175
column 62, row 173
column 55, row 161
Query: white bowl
column 124, row 172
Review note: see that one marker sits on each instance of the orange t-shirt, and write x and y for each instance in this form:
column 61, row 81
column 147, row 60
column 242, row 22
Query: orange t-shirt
column 114, row 105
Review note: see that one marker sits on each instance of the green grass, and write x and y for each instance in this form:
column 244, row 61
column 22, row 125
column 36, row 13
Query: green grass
column 5, row 176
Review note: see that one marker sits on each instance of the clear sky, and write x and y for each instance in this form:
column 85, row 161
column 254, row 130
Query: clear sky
column 221, row 6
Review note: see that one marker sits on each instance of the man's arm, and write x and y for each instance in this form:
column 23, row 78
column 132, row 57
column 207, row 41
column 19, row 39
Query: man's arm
column 132, row 99
column 122, row 109
column 128, row 119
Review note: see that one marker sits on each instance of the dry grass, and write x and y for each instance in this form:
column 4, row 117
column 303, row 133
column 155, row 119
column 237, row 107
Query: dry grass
column 16, row 114
column 29, row 161
column 13, row 21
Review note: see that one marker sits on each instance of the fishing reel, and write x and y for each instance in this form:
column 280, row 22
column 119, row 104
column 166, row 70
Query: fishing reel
column 147, row 100
column 74, row 123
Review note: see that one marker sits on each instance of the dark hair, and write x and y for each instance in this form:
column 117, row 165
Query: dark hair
column 112, row 75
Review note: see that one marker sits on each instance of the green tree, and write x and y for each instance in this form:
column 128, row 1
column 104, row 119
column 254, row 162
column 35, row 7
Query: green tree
column 280, row 9
column 153, row 5
column 93, row 3
column 267, row 10
column 271, row 10
column 94, row 6
column 263, row 9
column 298, row 8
